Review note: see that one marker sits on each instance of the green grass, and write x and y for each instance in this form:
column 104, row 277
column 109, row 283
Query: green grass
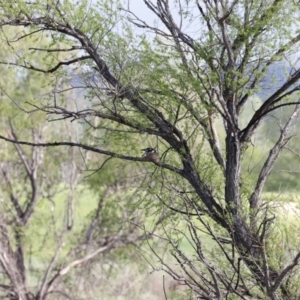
column 128, row 279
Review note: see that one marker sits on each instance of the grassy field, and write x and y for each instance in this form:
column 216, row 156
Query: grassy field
column 122, row 274
column 118, row 275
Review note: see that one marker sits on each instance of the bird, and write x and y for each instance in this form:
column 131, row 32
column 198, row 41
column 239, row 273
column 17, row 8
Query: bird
column 148, row 150
column 150, row 154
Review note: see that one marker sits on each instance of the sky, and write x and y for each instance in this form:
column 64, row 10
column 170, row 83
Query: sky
column 139, row 8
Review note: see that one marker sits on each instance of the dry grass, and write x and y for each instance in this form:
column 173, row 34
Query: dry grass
column 120, row 281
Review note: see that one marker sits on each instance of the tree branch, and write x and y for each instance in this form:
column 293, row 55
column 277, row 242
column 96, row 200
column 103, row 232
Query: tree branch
column 61, row 63
column 272, row 158
column 92, row 149
column 285, row 272
column 246, row 133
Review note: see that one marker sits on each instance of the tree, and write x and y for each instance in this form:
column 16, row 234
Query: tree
column 168, row 86
column 43, row 236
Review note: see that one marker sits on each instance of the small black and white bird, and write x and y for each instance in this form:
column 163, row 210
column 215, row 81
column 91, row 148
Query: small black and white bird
column 148, row 150
column 150, row 154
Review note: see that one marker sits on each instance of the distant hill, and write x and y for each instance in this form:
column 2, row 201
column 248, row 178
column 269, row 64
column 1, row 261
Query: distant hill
column 277, row 74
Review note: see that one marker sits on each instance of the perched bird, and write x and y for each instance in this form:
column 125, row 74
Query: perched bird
column 148, row 150
column 150, row 154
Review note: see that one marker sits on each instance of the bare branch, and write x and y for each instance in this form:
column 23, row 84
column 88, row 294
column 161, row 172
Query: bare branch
column 286, row 271
column 91, row 148
column 273, row 155
column 57, row 50
column 246, row 133
column 61, row 63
